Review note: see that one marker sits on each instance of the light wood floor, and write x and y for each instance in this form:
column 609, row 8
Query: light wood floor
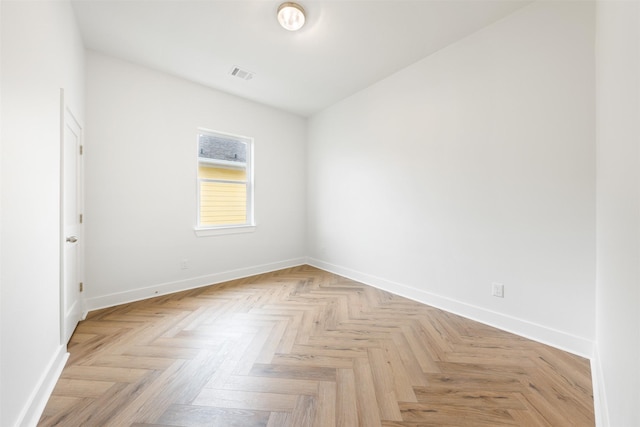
column 303, row 347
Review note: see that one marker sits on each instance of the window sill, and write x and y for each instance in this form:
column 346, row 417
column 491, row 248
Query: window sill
column 219, row 231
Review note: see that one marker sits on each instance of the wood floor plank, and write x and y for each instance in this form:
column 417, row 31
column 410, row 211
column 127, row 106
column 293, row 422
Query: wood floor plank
column 254, row 350
column 268, row 385
column 279, row 419
column 66, row 387
column 346, row 402
column 456, row 416
column 304, row 347
column 272, row 342
column 104, row 373
column 127, row 361
column 384, row 385
column 205, row 416
column 98, row 411
column 366, row 399
column 59, row 404
column 409, row 360
column 423, row 349
column 326, row 405
column 399, row 373
column 235, row 399
column 310, row 373
column 303, row 412
column 143, row 409
column 312, row 359
column 471, row 399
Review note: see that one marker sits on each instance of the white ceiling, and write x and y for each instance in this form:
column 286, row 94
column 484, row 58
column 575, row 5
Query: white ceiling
column 344, row 47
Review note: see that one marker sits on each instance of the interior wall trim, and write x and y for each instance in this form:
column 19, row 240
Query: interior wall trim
column 599, row 391
column 32, row 411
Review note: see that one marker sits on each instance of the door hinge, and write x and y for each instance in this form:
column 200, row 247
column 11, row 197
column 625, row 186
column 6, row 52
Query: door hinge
column 81, row 218
column 81, row 287
column 81, row 149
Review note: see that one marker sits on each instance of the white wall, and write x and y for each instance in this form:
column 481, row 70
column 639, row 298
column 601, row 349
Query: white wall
column 618, row 211
column 41, row 53
column 474, row 165
column 141, row 161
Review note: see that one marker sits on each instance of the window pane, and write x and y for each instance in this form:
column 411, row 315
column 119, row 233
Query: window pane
column 218, row 147
column 222, row 173
column 223, row 203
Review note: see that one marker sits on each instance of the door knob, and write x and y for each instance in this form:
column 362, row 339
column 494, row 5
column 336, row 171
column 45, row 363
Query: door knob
column 72, row 239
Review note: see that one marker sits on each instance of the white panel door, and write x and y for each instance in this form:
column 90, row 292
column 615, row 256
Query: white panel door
column 72, row 236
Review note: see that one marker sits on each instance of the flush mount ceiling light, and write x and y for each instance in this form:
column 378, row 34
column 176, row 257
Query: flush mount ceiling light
column 291, row 16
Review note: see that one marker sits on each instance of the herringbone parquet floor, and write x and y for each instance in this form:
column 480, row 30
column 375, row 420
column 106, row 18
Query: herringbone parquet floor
column 303, row 347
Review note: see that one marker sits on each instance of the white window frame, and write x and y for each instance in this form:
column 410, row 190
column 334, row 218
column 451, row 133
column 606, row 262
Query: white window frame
column 216, row 230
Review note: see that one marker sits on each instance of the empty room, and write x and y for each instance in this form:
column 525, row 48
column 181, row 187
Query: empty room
column 321, row 213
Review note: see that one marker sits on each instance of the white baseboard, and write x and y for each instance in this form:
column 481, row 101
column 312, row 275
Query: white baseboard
column 32, row 411
column 561, row 340
column 599, row 392
column 183, row 285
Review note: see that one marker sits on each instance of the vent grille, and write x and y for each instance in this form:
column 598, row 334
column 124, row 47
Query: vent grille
column 241, row 73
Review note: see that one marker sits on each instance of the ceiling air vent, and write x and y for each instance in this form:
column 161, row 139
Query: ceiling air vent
column 240, row 73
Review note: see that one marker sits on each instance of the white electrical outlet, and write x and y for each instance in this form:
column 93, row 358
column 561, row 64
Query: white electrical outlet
column 497, row 290
column 184, row 264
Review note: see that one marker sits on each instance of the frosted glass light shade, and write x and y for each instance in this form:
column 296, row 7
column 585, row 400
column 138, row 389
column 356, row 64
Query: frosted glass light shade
column 291, row 16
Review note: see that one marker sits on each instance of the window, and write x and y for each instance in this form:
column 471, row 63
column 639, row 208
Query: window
column 225, row 186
